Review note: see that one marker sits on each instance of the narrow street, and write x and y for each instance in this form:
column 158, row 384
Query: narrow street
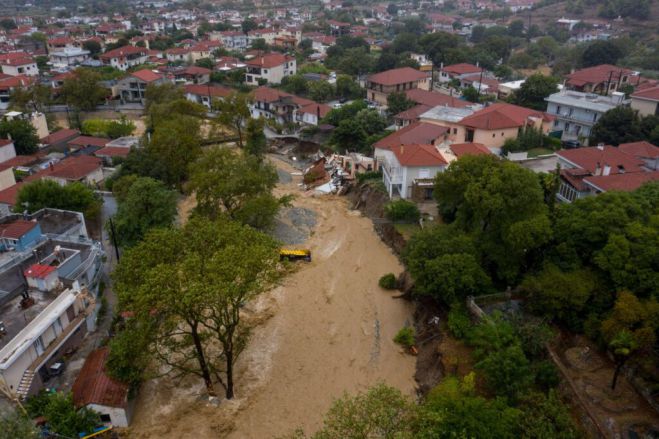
column 326, row 330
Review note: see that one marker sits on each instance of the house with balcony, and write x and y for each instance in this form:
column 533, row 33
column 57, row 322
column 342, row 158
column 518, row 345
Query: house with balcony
column 132, row 88
column 269, row 68
column 603, row 79
column 380, row 85
column 206, row 94
column 68, row 57
column 48, row 288
column 592, row 170
column 125, row 57
column 576, row 112
column 18, row 64
column 286, row 108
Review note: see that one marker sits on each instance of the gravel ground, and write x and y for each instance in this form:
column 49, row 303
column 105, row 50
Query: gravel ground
column 294, row 225
column 284, row 177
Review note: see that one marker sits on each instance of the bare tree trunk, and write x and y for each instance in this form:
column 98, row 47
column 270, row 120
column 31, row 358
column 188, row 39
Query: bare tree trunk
column 229, row 355
column 205, row 371
column 615, row 375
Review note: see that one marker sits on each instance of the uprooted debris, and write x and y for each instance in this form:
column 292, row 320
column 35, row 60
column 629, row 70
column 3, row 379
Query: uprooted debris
column 326, row 176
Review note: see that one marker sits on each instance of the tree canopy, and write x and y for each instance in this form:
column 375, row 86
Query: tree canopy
column 22, row 133
column 75, row 196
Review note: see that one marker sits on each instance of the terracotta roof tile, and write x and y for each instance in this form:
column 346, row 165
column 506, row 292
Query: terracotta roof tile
column 16, row 228
column 414, row 133
column 621, row 182
column 418, row 155
column 462, row 149
column 640, row 149
column 397, row 76
column 500, row 116
column 594, row 157
column 94, row 386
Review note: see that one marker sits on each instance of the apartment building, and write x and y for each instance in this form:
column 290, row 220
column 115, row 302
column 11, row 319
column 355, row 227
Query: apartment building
column 125, row 57
column 381, row 85
column 269, row 68
column 576, row 112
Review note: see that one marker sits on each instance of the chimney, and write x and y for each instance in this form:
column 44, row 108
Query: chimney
column 402, row 149
column 607, row 170
column 598, row 169
column 600, row 146
column 318, row 113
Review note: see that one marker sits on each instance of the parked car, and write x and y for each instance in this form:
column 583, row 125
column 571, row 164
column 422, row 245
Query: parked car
column 571, row 144
column 56, row 369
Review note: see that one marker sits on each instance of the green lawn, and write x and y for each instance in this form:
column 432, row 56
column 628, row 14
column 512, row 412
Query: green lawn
column 534, row 152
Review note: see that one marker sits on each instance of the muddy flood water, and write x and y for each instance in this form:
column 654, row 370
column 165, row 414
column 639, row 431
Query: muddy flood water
column 326, row 330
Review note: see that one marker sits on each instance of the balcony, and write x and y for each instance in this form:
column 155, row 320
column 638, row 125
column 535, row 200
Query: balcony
column 573, row 118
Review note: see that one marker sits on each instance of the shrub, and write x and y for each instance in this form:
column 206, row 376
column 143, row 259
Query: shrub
column 370, row 175
column 388, row 281
column 405, row 337
column 458, row 322
column 402, row 210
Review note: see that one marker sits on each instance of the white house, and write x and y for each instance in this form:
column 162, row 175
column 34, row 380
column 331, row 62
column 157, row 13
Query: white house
column 7, row 150
column 576, row 112
column 18, row 63
column 68, row 56
column 271, row 68
column 125, row 57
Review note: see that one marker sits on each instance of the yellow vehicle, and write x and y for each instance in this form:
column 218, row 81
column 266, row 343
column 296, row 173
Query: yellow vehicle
column 294, row 254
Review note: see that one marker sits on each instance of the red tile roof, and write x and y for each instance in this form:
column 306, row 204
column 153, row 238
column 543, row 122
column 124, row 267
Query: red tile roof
column 9, row 195
column 461, row 69
column 85, row 141
column 500, row 116
column 19, row 160
column 39, row 271
column 5, row 142
column 123, row 51
column 94, row 386
column 413, row 113
column 596, row 75
column 315, row 108
column 204, row 90
column 593, row 158
column 147, row 75
column 269, row 60
column 433, row 99
column 112, row 151
column 60, row 136
column 196, row 70
column 397, row 76
column 462, row 149
column 16, row 228
column 73, row 168
column 642, row 149
column 414, row 133
column 418, row 155
column 621, row 182
column 651, row 94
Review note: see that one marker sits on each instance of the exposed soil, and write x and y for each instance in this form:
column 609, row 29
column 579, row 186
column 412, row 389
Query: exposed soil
column 326, row 330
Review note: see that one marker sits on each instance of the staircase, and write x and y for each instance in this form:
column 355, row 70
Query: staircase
column 25, row 384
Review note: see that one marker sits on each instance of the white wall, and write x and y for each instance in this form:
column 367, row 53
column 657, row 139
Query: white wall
column 7, row 152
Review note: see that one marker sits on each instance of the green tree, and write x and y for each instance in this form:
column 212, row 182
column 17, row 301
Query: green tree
column 348, row 88
column 61, row 414
column 507, row 371
column 161, row 94
column 601, row 52
column 398, row 102
column 234, row 113
column 516, row 28
column 295, row 84
column 256, row 143
column 453, row 409
column 129, row 360
column 239, row 186
column 93, row 46
column 444, row 264
column 562, row 295
column 17, row 426
column 616, row 126
column 534, row 90
column 248, row 25
column 35, row 97
column 198, row 278
column 503, row 209
column 471, row 94
column 83, row 91
column 47, row 193
column 22, row 133
column 370, row 121
column 545, row 416
column 321, row 91
column 146, row 204
column 349, row 135
column 622, row 346
column 174, row 145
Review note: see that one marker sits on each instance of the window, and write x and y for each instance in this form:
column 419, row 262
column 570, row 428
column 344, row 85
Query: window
column 558, row 109
column 424, row 173
column 106, row 418
column 455, row 131
column 493, row 135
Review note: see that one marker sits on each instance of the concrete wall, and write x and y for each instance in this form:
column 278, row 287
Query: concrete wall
column 7, row 152
column 645, row 108
column 7, row 179
column 118, row 416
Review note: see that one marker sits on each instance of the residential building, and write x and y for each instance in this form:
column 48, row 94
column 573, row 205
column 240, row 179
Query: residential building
column 132, row 88
column 205, row 94
column 457, row 71
column 60, row 138
column 603, row 79
column 125, row 57
column 18, row 64
column 190, row 75
column 269, row 68
column 380, row 85
column 645, row 151
column 83, row 168
column 286, row 108
column 7, row 150
column 417, row 133
column 68, row 56
column 576, row 112
column 49, row 276
column 591, row 170
column 8, row 84
column 96, row 390
column 646, row 101
column 232, row 40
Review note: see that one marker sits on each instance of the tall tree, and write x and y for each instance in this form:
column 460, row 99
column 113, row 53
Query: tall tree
column 83, row 91
column 534, row 90
column 147, row 204
column 234, row 113
column 616, row 126
column 22, row 133
column 398, row 102
column 191, row 284
column 601, row 52
column 35, row 97
column 47, row 193
column 256, row 144
column 161, row 94
column 232, row 184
